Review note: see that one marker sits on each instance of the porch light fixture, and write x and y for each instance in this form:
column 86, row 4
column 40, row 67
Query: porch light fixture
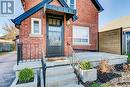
column 68, row 23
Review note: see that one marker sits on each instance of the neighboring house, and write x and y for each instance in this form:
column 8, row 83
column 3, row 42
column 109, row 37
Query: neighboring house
column 115, row 36
column 57, row 25
column 6, row 45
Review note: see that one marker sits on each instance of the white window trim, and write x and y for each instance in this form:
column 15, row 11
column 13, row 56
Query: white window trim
column 82, row 43
column 75, row 4
column 68, row 3
column 32, row 26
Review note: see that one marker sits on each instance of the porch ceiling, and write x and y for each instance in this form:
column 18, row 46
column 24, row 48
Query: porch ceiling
column 69, row 12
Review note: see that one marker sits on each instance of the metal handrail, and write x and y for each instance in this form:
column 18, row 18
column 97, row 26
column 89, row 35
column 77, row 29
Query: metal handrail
column 74, row 60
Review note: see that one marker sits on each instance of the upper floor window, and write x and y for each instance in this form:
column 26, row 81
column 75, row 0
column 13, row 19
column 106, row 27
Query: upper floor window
column 35, row 26
column 71, row 3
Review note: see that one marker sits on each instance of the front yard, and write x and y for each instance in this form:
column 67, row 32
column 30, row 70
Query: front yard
column 3, row 53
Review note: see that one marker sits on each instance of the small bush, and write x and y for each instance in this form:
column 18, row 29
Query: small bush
column 12, row 47
column 95, row 85
column 128, row 56
column 26, row 75
column 98, row 85
column 85, row 65
column 104, row 85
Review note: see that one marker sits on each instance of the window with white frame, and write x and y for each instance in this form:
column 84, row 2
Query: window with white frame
column 35, row 26
column 80, row 35
column 71, row 3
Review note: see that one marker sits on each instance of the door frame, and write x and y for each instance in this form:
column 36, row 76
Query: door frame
column 47, row 27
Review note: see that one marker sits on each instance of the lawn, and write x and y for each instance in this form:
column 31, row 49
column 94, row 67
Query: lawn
column 3, row 53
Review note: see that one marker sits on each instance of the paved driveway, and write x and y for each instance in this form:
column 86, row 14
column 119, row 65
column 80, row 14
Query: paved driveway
column 7, row 74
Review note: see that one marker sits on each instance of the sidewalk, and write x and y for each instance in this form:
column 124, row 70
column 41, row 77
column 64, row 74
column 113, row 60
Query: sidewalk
column 7, row 74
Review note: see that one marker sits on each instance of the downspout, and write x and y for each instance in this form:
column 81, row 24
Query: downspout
column 121, row 41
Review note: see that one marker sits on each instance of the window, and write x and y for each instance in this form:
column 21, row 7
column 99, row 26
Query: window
column 80, row 35
column 55, row 22
column 35, row 26
column 71, row 3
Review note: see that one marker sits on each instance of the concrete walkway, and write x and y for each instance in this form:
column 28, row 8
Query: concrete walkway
column 7, row 74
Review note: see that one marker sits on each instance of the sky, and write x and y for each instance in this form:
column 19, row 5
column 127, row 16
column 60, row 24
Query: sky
column 5, row 19
column 113, row 9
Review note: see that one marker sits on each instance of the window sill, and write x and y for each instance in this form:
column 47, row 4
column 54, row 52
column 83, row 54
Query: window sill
column 35, row 35
column 82, row 44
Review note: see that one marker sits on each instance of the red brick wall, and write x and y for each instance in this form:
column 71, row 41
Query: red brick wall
column 32, row 45
column 55, row 2
column 30, row 3
column 88, row 16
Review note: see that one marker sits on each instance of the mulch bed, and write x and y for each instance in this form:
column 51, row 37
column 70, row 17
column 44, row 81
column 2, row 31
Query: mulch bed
column 108, row 78
column 105, row 77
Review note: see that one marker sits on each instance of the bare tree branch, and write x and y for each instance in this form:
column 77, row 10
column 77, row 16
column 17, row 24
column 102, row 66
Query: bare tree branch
column 11, row 31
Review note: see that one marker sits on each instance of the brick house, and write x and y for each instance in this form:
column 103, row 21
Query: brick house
column 57, row 26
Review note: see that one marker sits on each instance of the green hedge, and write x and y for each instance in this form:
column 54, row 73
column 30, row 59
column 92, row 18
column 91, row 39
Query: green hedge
column 7, row 47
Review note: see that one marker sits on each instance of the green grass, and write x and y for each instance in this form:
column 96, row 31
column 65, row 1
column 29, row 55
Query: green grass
column 3, row 53
column 98, row 85
column 128, row 56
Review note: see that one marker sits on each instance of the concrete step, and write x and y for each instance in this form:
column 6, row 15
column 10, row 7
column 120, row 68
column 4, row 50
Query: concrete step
column 72, row 85
column 61, row 80
column 60, row 70
column 55, row 63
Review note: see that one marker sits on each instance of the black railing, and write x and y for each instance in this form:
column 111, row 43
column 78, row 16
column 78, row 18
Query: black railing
column 19, row 52
column 44, row 72
column 29, row 52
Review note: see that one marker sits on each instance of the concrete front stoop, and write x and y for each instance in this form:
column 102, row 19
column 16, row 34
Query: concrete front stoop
column 61, row 76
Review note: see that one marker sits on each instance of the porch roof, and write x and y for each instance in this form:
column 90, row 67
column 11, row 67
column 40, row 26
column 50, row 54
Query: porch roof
column 45, row 3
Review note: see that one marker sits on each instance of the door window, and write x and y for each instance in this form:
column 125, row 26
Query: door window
column 54, row 36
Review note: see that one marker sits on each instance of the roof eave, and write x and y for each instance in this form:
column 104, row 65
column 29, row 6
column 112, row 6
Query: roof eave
column 19, row 19
column 97, row 5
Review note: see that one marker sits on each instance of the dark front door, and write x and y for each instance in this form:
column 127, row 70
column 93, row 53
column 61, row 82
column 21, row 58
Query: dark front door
column 55, row 37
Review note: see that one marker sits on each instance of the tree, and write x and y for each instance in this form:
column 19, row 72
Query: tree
column 11, row 32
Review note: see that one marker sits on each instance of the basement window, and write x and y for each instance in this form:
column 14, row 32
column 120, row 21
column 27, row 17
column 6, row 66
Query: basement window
column 80, row 35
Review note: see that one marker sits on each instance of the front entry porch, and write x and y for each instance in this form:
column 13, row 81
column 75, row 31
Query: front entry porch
column 93, row 57
column 60, row 73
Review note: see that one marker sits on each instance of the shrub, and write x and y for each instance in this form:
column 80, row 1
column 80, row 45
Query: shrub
column 104, row 85
column 95, row 85
column 128, row 56
column 26, row 75
column 98, row 85
column 85, row 65
column 12, row 47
